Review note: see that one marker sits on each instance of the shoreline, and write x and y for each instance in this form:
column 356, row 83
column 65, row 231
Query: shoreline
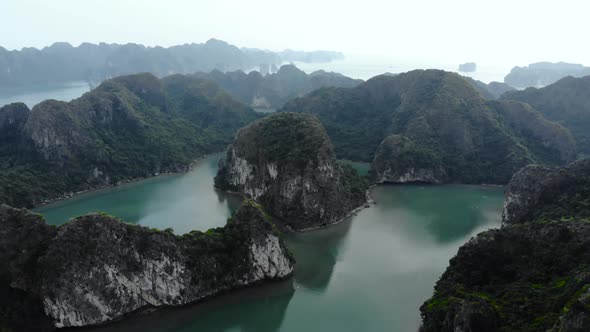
column 369, row 201
column 72, row 194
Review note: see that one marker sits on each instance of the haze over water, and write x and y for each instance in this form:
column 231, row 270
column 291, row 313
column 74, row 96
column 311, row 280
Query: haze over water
column 354, row 66
column 369, row 273
column 33, row 96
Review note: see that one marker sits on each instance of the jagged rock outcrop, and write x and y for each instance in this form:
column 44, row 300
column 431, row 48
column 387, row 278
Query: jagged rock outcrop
column 96, row 268
column 286, row 161
column 476, row 140
column 399, row 160
column 540, row 193
column 532, row 274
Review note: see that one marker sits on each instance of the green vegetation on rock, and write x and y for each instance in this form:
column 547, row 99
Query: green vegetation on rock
column 287, row 163
column 533, row 274
column 476, row 140
column 96, row 268
column 273, row 91
column 129, row 127
column 566, row 102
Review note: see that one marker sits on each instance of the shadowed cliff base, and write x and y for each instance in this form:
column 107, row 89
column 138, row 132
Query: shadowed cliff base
column 95, row 268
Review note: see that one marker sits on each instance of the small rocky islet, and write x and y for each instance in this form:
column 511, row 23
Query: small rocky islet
column 286, row 162
column 422, row 126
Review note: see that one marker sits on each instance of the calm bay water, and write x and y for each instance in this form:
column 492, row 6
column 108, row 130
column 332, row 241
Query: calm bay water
column 365, row 66
column 32, row 97
column 183, row 202
column 368, row 273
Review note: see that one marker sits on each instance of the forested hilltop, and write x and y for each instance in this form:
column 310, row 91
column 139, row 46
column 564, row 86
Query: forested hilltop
column 567, row 102
column 446, row 131
column 287, row 162
column 273, row 91
column 62, row 62
column 128, row 127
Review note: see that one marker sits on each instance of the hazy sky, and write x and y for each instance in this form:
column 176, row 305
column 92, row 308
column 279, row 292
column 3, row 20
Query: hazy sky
column 514, row 32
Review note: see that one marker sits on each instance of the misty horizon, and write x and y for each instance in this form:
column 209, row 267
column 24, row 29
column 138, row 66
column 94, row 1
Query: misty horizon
column 508, row 34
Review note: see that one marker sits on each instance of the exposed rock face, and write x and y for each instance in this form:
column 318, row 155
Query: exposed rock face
column 24, row 237
column 399, row 160
column 539, row 193
column 129, row 127
column 287, row 163
column 96, row 268
column 12, row 118
column 533, row 273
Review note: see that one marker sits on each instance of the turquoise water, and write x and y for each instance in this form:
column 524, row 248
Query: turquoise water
column 368, row 273
column 183, row 202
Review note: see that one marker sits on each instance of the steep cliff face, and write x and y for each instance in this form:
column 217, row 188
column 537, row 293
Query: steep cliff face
column 24, row 237
column 13, row 118
column 96, row 268
column 476, row 140
column 539, row 193
column 533, row 273
column 399, row 160
column 129, row 127
column 287, row 163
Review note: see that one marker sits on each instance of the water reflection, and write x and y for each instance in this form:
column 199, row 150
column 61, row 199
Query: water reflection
column 445, row 217
column 370, row 273
column 317, row 253
column 183, row 202
column 256, row 309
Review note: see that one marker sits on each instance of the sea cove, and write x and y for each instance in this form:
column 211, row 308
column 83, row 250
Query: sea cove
column 370, row 272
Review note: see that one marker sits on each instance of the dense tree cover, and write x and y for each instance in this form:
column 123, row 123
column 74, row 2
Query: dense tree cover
column 492, row 90
column 566, row 102
column 287, row 163
column 477, row 140
column 533, row 274
column 129, row 127
column 274, row 90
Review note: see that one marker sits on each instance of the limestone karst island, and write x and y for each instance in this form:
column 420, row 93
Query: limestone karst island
column 317, row 166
